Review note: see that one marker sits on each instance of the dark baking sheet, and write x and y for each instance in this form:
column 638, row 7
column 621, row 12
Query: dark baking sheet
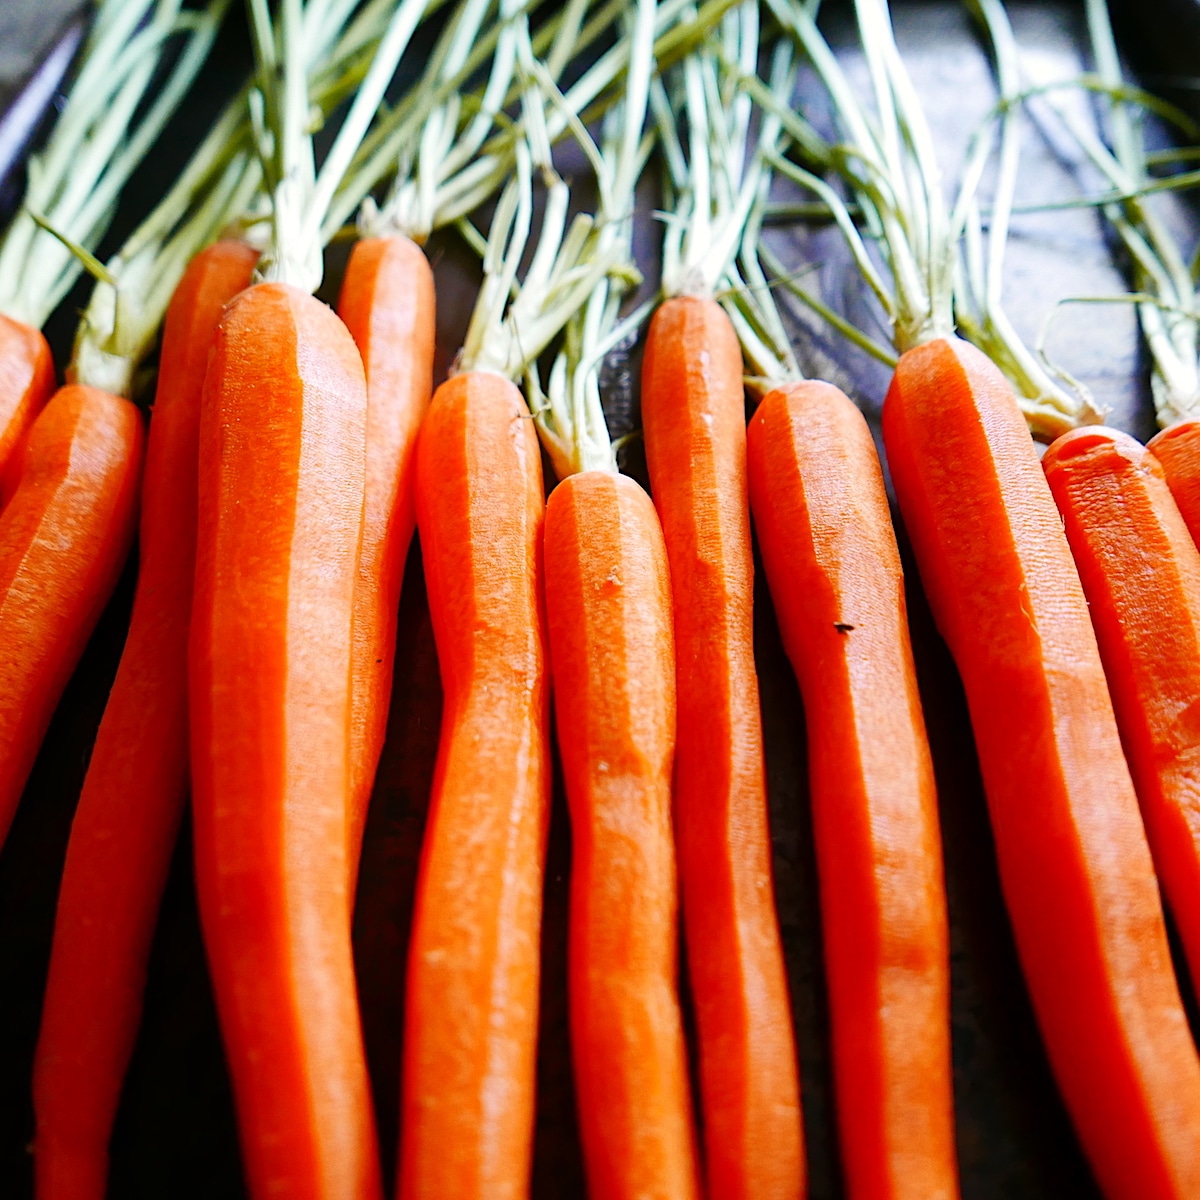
column 175, row 1133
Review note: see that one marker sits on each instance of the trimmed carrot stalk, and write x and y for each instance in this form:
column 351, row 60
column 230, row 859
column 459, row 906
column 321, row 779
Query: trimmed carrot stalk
column 127, row 820
column 1074, row 864
column 64, row 537
column 388, row 304
column 693, row 411
column 281, row 487
column 1140, row 572
column 608, row 606
column 470, row 1027
column 26, row 383
column 1177, row 448
column 821, row 514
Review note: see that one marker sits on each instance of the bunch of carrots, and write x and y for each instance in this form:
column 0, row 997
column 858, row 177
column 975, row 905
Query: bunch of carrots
column 290, row 450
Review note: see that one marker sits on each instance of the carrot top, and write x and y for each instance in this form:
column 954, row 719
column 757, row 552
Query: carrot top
column 221, row 186
column 117, row 106
column 889, row 165
column 570, row 416
column 714, row 183
column 1165, row 287
column 287, row 53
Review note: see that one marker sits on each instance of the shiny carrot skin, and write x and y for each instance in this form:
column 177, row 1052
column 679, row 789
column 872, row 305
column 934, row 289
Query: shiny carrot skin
column 1177, row 449
column 127, row 820
column 280, row 499
column 470, row 1025
column 1074, row 864
column 608, row 609
column 387, row 302
column 821, row 515
column 64, row 537
column 26, row 383
column 694, row 418
column 1140, row 572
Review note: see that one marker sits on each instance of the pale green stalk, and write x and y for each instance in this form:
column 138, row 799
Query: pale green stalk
column 512, row 325
column 747, row 297
column 570, row 417
column 590, row 92
column 890, row 165
column 219, row 187
column 711, row 188
column 1170, row 317
column 1050, row 407
column 300, row 195
column 75, row 180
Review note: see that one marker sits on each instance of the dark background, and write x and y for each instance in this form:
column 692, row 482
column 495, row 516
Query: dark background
column 175, row 1134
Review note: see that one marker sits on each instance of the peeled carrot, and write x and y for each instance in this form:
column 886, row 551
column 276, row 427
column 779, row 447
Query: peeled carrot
column 127, row 820
column 608, row 604
column 821, row 514
column 387, row 303
column 694, row 418
column 1073, row 859
column 1140, row 572
column 1177, row 448
column 26, row 381
column 281, row 489
column 64, row 537
column 470, row 1028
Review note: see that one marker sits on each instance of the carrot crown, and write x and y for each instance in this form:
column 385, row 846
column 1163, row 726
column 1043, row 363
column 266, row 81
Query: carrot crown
column 570, row 415
column 1168, row 310
column 287, row 54
column 115, row 110
column 220, row 186
column 713, row 184
column 747, row 294
column 513, row 324
column 430, row 141
column 448, row 150
column 888, row 163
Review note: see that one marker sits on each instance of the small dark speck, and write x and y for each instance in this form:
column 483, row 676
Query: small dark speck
column 378, row 661
column 842, row 627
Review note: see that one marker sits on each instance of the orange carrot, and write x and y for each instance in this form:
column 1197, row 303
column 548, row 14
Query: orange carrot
column 1074, row 863
column 608, row 604
column 64, row 537
column 281, row 489
column 127, row 820
column 694, row 417
column 470, row 1028
column 387, row 303
column 821, row 514
column 26, row 381
column 1177, row 448
column 1140, row 572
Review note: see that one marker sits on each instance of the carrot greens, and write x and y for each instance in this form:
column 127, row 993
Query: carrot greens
column 117, row 106
column 889, row 166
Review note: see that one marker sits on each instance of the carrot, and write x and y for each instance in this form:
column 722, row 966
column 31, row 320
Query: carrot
column 467, row 1102
column 281, row 487
column 609, row 616
column 64, row 537
column 693, row 413
column 125, row 826
column 821, row 514
column 1177, row 449
column 1073, row 859
column 1140, row 572
column 26, row 382
column 387, row 303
